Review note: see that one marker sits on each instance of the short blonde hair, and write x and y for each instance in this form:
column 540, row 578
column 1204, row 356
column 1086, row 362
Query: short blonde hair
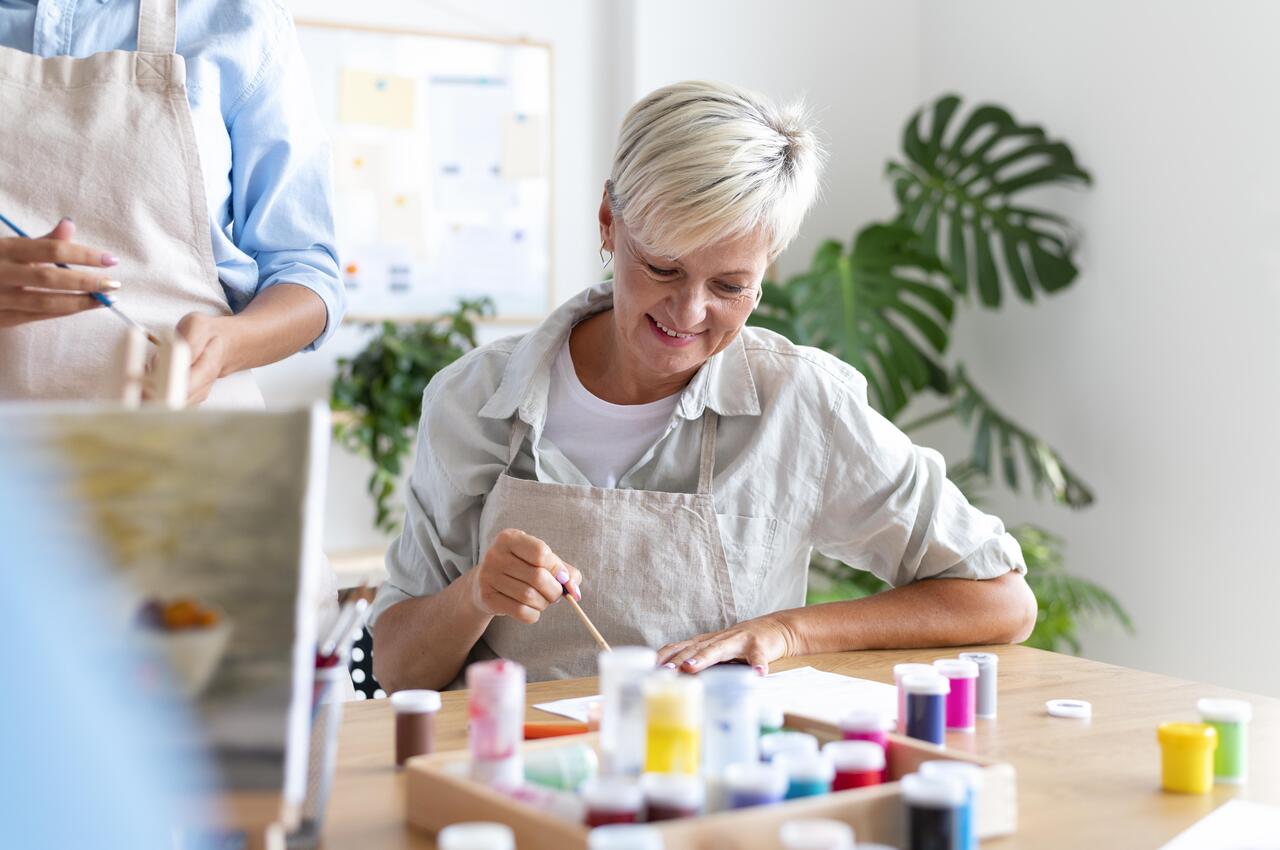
column 699, row 161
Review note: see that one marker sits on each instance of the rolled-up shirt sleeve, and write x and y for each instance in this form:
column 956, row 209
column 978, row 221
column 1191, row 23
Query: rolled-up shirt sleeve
column 440, row 538
column 281, row 192
column 888, row 507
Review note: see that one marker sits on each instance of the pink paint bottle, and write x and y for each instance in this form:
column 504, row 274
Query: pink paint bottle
column 495, row 713
column 900, row 670
column 858, row 763
column 962, row 701
column 868, row 724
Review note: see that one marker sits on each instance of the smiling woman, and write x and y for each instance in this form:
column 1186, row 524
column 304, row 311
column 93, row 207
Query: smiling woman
column 646, row 453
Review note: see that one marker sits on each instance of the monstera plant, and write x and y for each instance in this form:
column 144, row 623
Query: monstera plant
column 887, row 302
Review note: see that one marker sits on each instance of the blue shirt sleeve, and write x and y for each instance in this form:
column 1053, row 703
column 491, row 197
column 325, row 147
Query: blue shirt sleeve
column 281, row 192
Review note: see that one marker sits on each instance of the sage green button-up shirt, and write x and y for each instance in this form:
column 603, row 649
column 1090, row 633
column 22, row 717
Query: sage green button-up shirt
column 802, row 462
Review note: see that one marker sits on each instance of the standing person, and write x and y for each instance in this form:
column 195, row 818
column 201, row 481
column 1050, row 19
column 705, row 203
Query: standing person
column 179, row 154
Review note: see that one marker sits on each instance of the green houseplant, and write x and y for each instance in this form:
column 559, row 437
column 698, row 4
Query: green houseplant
column 377, row 395
column 887, row 302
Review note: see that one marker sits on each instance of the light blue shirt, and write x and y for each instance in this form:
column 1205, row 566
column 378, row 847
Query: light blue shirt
column 264, row 154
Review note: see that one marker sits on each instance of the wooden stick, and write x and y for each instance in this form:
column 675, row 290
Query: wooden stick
column 586, row 621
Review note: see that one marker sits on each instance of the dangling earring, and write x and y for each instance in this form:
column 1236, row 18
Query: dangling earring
column 605, row 261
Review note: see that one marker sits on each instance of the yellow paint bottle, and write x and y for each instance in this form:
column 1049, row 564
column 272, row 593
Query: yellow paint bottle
column 673, row 734
column 1187, row 756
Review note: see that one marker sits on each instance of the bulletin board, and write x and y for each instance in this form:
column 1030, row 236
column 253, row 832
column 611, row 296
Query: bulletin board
column 442, row 154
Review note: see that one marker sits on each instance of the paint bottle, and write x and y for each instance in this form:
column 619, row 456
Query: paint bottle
column 732, row 731
column 857, row 763
column 808, row 774
column 759, row 784
column 868, row 724
column 926, row 706
column 563, row 805
column 477, row 835
column 786, row 741
column 1186, row 751
column 816, row 834
column 564, row 768
column 933, row 811
column 973, row 779
column 673, row 735
column 988, row 674
column 622, row 731
column 624, row 837
column 962, row 701
column 899, row 671
column 611, row 800
column 415, row 723
column 1230, row 717
column 670, row 796
column 495, row 712
column 772, row 717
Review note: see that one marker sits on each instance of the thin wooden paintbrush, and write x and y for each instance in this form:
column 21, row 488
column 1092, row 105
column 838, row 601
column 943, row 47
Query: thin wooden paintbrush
column 586, row 621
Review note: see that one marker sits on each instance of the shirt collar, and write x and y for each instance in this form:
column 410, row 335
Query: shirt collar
column 724, row 383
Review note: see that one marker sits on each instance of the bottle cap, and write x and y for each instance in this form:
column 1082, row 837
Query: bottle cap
column 476, row 836
column 1076, row 708
column 1225, row 710
column 776, row 743
column 415, row 702
column 855, row 756
column 956, row 668
column 936, row 792
column 926, row 683
column 816, row 834
column 968, row 773
column 624, row 836
column 865, row 720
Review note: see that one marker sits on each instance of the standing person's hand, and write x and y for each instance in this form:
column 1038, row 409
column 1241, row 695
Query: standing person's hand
column 32, row 288
column 520, row 577
column 211, row 347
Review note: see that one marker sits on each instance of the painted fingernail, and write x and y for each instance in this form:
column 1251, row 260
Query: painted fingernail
column 107, row 283
column 110, row 259
column 759, row 668
column 692, row 662
column 670, row 665
column 562, row 575
column 577, row 594
column 68, row 219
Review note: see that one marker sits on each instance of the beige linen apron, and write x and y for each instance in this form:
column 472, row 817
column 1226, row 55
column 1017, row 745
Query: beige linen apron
column 653, row 565
column 108, row 140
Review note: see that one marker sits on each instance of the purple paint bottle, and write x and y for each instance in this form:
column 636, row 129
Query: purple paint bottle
column 926, row 706
column 754, row 784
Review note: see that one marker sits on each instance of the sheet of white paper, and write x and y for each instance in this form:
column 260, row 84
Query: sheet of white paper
column 1236, row 825
column 804, row 690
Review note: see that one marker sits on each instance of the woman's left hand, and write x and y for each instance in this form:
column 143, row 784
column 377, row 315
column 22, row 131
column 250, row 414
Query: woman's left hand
column 209, row 340
column 757, row 642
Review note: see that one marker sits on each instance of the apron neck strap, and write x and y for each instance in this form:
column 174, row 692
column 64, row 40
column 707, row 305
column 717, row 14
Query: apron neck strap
column 707, row 463
column 518, row 432
column 157, row 26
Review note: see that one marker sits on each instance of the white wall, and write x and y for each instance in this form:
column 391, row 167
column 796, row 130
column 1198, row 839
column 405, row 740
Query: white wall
column 1157, row 373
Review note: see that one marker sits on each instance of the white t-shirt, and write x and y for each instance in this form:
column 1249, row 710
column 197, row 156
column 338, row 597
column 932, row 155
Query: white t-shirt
column 602, row 439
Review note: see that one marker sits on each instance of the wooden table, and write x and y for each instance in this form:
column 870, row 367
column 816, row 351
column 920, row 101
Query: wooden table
column 1093, row 785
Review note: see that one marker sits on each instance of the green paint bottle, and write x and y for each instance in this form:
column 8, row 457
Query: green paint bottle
column 1231, row 718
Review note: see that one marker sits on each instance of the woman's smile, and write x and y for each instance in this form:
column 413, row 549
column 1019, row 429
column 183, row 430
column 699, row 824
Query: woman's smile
column 670, row 336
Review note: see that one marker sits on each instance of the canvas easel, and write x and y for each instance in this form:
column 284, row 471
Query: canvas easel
column 168, row 376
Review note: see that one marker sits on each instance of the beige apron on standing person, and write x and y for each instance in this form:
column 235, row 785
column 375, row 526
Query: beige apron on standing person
column 108, row 141
column 653, row 564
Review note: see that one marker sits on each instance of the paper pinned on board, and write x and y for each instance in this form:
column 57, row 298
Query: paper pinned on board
column 360, row 165
column 383, row 100
column 1235, row 825
column 400, row 219
column 522, row 154
column 805, row 691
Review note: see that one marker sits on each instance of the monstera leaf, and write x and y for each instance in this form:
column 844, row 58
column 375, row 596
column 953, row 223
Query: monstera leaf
column 960, row 187
column 884, row 307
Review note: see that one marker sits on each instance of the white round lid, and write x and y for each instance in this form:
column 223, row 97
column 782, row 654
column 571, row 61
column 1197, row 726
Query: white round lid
column 1225, row 710
column 816, row 834
column 786, row 741
column 982, row 659
column 624, row 836
column 807, row 766
column 755, row 776
column 969, row 774
column 415, row 702
column 865, row 720
column 1075, row 708
column 637, row 658
column 476, row 836
column 906, row 669
column 956, row 668
column 611, row 794
column 926, row 683
column 858, row 756
column 935, row 792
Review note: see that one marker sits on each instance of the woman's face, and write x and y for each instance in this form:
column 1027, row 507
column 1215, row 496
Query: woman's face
column 673, row 314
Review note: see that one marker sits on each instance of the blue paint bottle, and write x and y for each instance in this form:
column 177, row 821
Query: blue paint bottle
column 808, row 774
column 927, row 706
column 933, row 811
column 972, row 777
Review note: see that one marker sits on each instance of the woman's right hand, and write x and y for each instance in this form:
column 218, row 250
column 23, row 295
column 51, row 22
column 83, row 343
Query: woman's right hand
column 33, row 289
column 520, row 577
